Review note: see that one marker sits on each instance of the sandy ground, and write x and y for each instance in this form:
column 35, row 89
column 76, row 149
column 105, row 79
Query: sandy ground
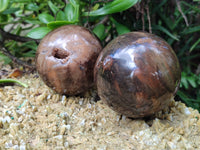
column 38, row 118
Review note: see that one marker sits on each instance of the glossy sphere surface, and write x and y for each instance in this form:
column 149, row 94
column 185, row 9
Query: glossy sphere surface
column 137, row 74
column 65, row 59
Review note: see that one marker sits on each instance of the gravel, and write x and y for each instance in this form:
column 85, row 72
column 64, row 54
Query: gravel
column 38, row 118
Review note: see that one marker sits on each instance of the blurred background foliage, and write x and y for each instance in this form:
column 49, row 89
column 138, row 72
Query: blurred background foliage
column 24, row 22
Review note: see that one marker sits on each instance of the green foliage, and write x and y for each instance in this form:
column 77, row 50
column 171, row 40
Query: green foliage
column 45, row 18
column 39, row 32
column 108, row 19
column 5, row 59
column 3, row 5
column 121, row 29
column 53, row 8
column 164, row 30
column 13, row 81
column 99, row 30
column 112, row 7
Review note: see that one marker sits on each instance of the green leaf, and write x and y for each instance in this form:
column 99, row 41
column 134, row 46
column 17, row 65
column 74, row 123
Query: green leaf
column 61, row 16
column 99, row 31
column 194, row 45
column 20, row 1
column 33, row 21
column 29, row 54
column 69, row 11
column 10, row 11
column 166, row 20
column 45, row 18
column 192, row 82
column 32, row 6
column 53, row 8
column 3, row 18
column 121, row 29
column 183, row 49
column 187, row 99
column 96, row 6
column 158, row 7
column 194, row 7
column 13, row 81
column 3, row 5
column 56, row 24
column 29, row 44
column 38, row 33
column 183, row 97
column 17, row 30
column 5, row 59
column 184, row 81
column 165, row 31
column 72, row 11
column 112, row 7
column 192, row 30
column 74, row 2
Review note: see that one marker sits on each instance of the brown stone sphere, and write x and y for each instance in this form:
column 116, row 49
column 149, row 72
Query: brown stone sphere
column 66, row 57
column 137, row 74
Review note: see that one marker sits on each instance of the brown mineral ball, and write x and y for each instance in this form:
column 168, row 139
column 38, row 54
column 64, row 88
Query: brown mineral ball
column 65, row 59
column 137, row 74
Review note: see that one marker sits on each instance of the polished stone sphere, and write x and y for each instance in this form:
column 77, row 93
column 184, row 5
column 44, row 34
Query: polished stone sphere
column 66, row 57
column 137, row 74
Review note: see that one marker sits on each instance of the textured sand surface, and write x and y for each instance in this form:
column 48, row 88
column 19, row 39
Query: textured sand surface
column 38, row 118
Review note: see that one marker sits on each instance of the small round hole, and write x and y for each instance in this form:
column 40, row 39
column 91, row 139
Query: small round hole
column 60, row 54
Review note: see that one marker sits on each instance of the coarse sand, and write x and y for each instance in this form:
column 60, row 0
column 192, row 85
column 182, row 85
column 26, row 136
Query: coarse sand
column 37, row 118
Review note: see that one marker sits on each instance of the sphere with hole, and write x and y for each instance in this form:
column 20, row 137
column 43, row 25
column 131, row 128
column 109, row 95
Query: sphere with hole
column 137, row 74
column 65, row 59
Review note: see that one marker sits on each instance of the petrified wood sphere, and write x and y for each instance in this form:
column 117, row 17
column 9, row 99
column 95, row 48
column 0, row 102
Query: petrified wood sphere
column 65, row 59
column 137, row 74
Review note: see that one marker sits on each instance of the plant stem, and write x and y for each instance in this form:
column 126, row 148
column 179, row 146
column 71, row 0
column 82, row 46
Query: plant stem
column 11, row 22
column 15, row 59
column 7, row 35
column 13, row 81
